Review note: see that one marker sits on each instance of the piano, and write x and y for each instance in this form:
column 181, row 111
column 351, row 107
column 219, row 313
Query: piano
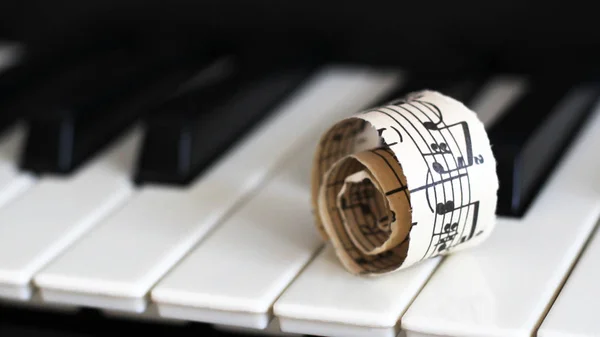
column 164, row 190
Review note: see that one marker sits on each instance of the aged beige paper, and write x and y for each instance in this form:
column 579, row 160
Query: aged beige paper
column 404, row 182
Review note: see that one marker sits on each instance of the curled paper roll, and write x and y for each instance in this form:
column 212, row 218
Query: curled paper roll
column 404, row 182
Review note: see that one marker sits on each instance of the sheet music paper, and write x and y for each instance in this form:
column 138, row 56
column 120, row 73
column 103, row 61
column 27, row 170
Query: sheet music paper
column 404, row 182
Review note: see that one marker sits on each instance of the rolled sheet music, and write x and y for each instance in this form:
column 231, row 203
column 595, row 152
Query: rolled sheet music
column 404, row 182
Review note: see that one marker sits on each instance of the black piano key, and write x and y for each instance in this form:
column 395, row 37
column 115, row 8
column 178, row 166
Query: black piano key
column 20, row 83
column 77, row 113
column 189, row 131
column 13, row 80
column 532, row 136
column 462, row 87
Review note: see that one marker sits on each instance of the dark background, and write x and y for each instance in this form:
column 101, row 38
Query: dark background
column 507, row 34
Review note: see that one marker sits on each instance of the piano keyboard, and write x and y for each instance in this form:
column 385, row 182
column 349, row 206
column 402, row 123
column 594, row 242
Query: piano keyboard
column 179, row 202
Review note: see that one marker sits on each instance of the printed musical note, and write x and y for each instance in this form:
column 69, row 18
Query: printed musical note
column 451, row 230
column 461, row 164
column 439, row 148
column 443, row 208
column 447, row 236
column 396, row 136
column 437, row 113
column 475, row 216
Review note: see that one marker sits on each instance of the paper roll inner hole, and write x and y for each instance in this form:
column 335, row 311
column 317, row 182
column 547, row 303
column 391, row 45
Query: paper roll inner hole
column 366, row 212
column 348, row 175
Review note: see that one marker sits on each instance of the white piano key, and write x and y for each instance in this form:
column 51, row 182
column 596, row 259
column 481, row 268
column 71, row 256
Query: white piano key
column 236, row 274
column 12, row 182
column 327, row 300
column 574, row 313
column 504, row 287
column 497, row 95
column 53, row 214
column 252, row 245
column 115, row 266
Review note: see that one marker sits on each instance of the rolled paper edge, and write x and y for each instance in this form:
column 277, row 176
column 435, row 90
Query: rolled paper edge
column 317, row 197
column 400, row 228
column 317, row 177
column 398, row 241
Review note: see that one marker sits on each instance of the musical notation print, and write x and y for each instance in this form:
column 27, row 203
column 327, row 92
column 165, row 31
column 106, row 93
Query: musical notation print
column 403, row 182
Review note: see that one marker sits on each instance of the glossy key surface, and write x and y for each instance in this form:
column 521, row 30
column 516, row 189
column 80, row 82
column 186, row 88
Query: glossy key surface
column 116, row 264
column 504, row 286
column 573, row 313
column 187, row 132
column 532, row 135
column 77, row 112
column 53, row 214
column 325, row 299
column 253, row 244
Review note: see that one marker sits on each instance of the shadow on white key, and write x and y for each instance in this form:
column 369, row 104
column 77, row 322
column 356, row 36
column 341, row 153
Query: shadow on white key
column 40, row 224
column 273, row 329
column 574, row 313
column 327, row 300
column 148, row 315
column 12, row 182
column 35, row 302
column 115, row 266
column 503, row 287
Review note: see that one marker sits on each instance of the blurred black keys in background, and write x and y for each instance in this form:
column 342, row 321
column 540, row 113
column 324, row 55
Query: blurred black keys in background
column 189, row 131
column 11, row 81
column 533, row 134
column 74, row 114
column 33, row 69
column 197, row 106
column 462, row 87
